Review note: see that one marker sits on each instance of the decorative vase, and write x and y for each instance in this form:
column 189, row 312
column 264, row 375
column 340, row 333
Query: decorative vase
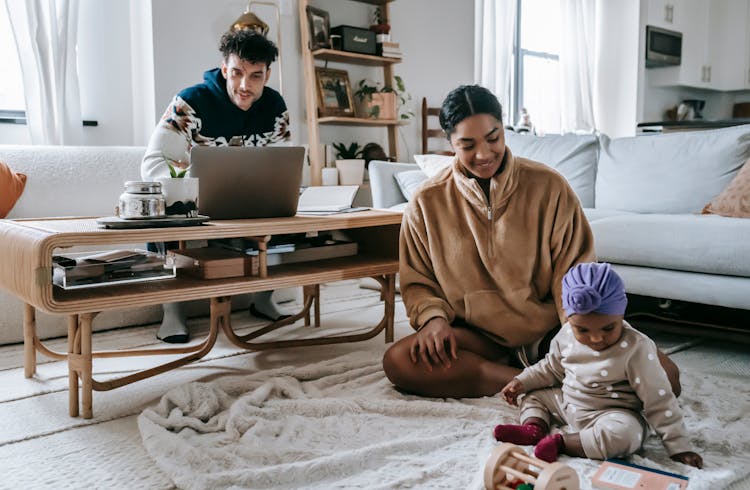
column 181, row 195
column 351, row 171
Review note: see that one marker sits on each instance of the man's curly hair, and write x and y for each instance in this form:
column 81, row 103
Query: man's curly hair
column 249, row 46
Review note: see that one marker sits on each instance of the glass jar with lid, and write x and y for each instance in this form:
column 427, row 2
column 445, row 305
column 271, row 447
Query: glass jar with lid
column 142, row 200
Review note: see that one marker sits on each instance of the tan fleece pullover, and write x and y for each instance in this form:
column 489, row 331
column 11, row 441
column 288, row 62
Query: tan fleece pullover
column 497, row 265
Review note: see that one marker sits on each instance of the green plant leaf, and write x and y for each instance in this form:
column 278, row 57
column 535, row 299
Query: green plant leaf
column 347, row 152
column 182, row 174
column 172, row 171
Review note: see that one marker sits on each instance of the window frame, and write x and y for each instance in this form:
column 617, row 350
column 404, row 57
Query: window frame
column 518, row 56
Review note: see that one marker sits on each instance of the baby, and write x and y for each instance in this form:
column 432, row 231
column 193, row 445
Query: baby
column 601, row 376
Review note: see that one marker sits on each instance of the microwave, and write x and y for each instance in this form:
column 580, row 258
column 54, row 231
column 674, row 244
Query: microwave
column 663, row 47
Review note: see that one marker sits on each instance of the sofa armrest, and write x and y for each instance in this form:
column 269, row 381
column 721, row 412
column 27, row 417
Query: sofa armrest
column 385, row 191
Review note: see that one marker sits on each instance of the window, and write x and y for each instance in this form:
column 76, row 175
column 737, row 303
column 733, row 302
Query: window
column 11, row 83
column 536, row 64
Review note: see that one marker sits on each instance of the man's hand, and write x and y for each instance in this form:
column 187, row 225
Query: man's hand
column 434, row 344
column 512, row 390
column 688, row 457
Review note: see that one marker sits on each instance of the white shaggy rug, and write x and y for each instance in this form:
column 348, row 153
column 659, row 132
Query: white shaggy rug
column 340, row 424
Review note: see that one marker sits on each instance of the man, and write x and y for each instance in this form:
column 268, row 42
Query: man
column 233, row 106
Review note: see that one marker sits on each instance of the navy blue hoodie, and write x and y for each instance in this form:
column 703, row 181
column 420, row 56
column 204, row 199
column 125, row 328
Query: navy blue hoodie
column 215, row 120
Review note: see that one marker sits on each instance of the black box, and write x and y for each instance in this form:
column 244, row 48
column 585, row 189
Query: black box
column 356, row 39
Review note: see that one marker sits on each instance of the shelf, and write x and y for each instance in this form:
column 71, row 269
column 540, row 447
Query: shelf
column 190, row 288
column 354, row 58
column 360, row 121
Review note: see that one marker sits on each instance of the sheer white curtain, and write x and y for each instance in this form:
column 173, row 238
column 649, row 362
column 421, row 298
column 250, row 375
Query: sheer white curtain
column 577, row 65
column 493, row 47
column 45, row 32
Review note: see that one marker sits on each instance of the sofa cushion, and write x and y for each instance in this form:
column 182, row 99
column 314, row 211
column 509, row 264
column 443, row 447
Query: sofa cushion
column 734, row 201
column 593, row 214
column 409, row 181
column 11, row 188
column 574, row 156
column 693, row 243
column 669, row 173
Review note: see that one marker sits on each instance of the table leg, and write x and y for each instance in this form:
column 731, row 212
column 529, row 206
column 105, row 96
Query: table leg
column 317, row 305
column 29, row 340
column 86, row 367
column 389, row 298
column 307, row 291
column 72, row 373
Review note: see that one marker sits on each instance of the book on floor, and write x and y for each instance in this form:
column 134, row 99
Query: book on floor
column 617, row 474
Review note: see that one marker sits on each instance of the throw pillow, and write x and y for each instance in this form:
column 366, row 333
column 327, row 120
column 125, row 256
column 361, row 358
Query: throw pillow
column 409, row 181
column 433, row 164
column 734, row 201
column 11, row 188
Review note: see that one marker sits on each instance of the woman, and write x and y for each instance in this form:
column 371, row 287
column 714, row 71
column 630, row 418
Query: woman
column 484, row 247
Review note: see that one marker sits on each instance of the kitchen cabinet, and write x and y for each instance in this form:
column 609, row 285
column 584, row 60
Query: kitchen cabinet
column 668, row 14
column 695, row 70
column 729, row 44
column 715, row 45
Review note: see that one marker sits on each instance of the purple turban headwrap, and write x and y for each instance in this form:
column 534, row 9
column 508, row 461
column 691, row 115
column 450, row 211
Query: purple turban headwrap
column 592, row 287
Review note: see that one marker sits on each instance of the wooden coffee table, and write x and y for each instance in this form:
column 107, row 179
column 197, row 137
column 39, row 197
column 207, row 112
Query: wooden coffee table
column 27, row 246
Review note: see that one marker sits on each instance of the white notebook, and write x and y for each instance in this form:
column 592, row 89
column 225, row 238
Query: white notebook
column 327, row 199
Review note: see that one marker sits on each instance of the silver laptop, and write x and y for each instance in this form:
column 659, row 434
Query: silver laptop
column 238, row 182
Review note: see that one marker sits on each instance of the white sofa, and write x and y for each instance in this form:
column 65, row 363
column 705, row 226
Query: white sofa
column 78, row 181
column 643, row 197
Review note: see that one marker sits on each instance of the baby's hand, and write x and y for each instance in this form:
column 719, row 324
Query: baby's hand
column 511, row 391
column 688, row 457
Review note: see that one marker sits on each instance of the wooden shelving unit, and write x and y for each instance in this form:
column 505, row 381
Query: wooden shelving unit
column 311, row 102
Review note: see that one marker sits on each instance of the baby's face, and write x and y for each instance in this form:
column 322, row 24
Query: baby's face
column 596, row 330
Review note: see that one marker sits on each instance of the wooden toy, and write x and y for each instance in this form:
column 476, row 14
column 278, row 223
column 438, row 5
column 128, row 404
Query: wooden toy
column 508, row 463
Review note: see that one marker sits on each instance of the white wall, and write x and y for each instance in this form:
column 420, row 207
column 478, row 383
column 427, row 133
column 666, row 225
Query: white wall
column 616, row 79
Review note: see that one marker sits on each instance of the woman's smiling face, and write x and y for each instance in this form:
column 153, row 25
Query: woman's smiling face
column 479, row 143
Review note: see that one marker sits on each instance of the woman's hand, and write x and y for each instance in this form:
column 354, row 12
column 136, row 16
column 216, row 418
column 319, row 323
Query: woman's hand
column 435, row 343
column 688, row 457
column 511, row 391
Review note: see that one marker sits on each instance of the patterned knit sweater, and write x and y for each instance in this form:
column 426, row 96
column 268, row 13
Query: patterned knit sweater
column 205, row 115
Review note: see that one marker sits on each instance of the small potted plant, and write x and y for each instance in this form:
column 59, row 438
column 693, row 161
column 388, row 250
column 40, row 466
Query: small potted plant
column 378, row 101
column 180, row 191
column 350, row 164
column 380, row 26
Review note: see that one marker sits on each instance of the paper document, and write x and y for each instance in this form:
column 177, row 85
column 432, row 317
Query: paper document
column 328, row 198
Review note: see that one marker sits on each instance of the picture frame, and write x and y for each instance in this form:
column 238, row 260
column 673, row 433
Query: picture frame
column 320, row 28
column 334, row 92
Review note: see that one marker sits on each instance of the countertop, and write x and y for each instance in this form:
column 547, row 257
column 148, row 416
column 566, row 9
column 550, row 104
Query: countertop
column 690, row 125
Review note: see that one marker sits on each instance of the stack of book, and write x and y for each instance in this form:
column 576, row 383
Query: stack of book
column 389, row 49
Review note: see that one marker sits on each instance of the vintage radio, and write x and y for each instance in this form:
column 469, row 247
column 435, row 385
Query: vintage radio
column 356, row 39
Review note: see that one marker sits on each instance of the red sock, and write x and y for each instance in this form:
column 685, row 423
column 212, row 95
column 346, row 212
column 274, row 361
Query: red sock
column 549, row 447
column 525, row 435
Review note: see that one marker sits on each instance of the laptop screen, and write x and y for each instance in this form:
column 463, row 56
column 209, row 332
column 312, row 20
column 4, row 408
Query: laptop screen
column 238, row 182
